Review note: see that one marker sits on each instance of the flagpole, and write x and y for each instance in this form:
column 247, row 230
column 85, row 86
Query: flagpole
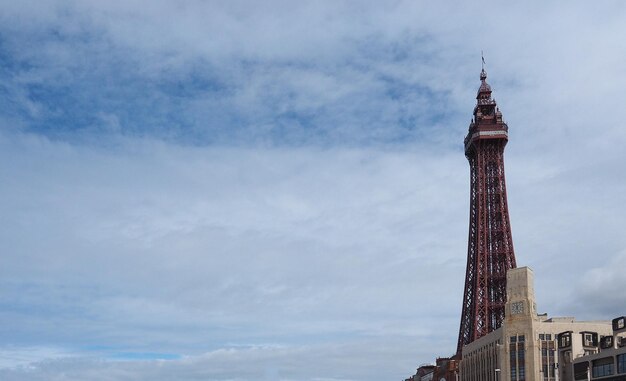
column 482, row 57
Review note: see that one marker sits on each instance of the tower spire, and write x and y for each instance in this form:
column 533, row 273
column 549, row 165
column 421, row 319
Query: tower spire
column 490, row 245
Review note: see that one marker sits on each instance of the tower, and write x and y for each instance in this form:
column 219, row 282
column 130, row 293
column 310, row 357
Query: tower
column 490, row 246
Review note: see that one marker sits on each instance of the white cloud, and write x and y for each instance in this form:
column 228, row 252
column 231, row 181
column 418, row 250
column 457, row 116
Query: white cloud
column 261, row 362
column 141, row 248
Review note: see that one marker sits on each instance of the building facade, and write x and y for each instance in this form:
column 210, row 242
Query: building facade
column 606, row 364
column 525, row 347
column 425, row 372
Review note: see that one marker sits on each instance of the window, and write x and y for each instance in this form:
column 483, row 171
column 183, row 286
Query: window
column 590, row 339
column 542, row 336
column 606, row 342
column 548, row 336
column 548, row 359
column 565, row 340
column 619, row 323
column 621, row 363
column 580, row 370
column 548, row 371
column 602, row 367
column 516, row 353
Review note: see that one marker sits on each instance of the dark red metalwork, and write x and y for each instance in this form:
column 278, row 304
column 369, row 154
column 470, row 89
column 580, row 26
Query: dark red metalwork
column 490, row 245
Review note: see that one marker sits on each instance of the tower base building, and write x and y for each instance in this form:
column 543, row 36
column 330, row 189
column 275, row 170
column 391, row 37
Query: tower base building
column 527, row 346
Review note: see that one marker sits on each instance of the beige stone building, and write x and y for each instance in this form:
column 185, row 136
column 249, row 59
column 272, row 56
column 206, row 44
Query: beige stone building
column 609, row 363
column 525, row 347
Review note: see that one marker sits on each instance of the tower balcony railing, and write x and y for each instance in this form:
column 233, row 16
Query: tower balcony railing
column 489, row 101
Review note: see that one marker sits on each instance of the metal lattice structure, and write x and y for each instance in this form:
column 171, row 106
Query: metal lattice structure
column 490, row 245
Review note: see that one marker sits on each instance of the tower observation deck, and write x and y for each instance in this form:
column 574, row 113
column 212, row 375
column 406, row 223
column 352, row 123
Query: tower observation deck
column 490, row 245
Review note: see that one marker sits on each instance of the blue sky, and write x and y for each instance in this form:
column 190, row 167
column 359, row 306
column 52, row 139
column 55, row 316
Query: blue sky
column 277, row 191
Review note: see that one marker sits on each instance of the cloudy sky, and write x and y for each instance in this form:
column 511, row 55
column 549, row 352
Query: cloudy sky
column 276, row 190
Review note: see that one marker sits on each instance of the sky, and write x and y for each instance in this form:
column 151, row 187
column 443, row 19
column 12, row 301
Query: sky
column 277, row 190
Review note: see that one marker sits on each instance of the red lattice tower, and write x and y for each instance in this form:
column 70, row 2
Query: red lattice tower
column 490, row 246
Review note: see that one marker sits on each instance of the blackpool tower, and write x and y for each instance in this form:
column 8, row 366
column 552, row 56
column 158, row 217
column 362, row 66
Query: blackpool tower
column 490, row 245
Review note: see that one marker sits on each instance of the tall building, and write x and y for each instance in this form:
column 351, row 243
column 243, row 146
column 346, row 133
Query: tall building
column 502, row 337
column 490, row 245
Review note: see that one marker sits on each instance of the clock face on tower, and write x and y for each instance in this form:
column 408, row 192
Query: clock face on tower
column 517, row 308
